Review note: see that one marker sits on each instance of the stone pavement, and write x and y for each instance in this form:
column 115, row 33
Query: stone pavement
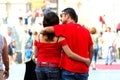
column 17, row 72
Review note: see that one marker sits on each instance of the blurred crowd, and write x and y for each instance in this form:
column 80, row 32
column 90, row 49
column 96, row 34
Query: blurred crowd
column 33, row 22
column 15, row 29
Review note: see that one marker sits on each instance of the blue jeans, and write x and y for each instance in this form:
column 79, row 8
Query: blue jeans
column 109, row 57
column 66, row 75
column 100, row 50
column 94, row 59
column 47, row 73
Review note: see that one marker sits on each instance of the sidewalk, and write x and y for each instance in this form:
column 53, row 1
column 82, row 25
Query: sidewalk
column 103, row 73
column 101, row 65
column 17, row 72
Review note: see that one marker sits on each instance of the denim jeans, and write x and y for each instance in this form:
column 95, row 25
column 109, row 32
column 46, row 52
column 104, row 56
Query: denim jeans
column 66, row 75
column 100, row 50
column 109, row 57
column 95, row 55
column 47, row 73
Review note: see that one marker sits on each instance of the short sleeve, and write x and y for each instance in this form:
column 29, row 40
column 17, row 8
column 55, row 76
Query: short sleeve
column 59, row 30
column 63, row 42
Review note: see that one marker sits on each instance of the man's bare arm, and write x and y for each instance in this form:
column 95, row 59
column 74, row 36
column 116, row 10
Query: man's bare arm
column 49, row 29
column 91, row 52
column 73, row 55
column 5, row 59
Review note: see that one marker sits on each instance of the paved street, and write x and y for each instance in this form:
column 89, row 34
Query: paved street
column 105, row 72
column 104, row 75
column 17, row 72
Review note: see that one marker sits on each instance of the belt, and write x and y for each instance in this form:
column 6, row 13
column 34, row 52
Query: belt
column 47, row 64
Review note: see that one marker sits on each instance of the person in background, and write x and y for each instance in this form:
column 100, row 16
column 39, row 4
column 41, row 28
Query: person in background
column 24, row 39
column 108, row 40
column 117, row 41
column 29, row 62
column 48, row 51
column 95, row 37
column 4, row 59
column 79, row 40
column 100, row 43
column 102, row 21
column 11, row 45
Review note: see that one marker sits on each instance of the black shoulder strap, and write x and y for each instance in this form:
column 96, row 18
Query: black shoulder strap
column 58, row 39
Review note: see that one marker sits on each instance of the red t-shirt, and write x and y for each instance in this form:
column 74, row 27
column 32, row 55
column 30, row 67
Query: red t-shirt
column 49, row 52
column 79, row 40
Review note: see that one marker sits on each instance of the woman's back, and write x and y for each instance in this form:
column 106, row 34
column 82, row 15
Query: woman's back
column 48, row 51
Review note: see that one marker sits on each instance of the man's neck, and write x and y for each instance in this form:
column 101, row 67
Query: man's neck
column 70, row 21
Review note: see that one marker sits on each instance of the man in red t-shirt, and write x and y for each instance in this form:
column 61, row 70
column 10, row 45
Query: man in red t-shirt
column 79, row 40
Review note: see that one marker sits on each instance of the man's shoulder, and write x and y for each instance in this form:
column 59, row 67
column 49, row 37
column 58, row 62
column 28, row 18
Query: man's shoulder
column 83, row 27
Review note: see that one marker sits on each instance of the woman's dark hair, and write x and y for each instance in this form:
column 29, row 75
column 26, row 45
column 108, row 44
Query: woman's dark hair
column 72, row 13
column 50, row 19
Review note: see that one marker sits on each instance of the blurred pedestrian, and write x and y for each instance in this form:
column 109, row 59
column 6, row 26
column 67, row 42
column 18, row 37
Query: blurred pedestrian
column 95, row 37
column 4, row 59
column 79, row 40
column 103, row 22
column 11, row 45
column 100, row 43
column 108, row 39
column 29, row 62
column 24, row 39
column 117, row 43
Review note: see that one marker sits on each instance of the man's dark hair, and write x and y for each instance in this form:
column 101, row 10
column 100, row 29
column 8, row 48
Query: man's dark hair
column 72, row 13
column 50, row 19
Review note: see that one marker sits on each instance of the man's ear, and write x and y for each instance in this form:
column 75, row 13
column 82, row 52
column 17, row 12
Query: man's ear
column 67, row 16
